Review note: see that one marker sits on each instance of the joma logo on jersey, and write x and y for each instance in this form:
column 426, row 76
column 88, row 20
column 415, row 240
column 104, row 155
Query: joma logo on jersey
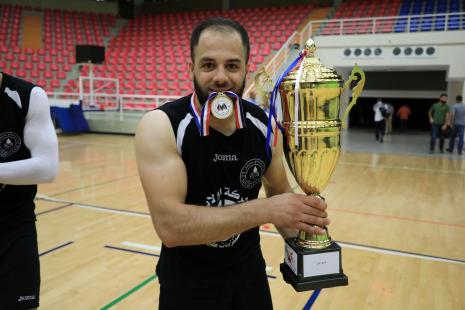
column 223, row 157
column 26, row 298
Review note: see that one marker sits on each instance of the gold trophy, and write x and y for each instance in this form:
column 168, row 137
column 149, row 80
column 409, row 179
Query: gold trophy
column 312, row 147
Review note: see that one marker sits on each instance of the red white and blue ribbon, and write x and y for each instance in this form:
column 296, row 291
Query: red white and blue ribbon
column 273, row 97
column 202, row 117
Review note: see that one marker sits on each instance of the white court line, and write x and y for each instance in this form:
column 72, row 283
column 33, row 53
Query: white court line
column 398, row 253
column 111, row 211
column 142, row 246
column 269, row 233
column 68, row 145
column 402, row 168
column 96, row 208
column 276, row 234
column 43, row 197
column 113, row 145
column 157, row 249
column 385, row 251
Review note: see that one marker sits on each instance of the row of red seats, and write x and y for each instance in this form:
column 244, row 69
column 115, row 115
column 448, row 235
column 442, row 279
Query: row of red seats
column 129, row 65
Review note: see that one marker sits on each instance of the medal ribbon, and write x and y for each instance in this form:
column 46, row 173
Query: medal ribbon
column 273, row 97
column 202, row 117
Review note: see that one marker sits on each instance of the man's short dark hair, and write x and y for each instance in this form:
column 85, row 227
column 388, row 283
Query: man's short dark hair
column 443, row 94
column 220, row 23
column 459, row 98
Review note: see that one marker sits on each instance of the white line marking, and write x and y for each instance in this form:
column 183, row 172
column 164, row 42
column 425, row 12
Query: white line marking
column 342, row 244
column 396, row 253
column 269, row 234
column 111, row 211
column 43, row 197
column 142, row 246
column 96, row 208
column 402, row 168
column 384, row 251
column 157, row 249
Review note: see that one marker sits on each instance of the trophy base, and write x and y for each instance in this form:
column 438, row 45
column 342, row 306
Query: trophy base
column 309, row 269
column 312, row 283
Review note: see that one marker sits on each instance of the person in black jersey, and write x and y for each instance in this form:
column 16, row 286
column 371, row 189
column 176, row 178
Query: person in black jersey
column 28, row 155
column 201, row 175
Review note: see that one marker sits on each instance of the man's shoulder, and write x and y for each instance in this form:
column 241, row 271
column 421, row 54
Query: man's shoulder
column 255, row 110
column 176, row 106
column 13, row 83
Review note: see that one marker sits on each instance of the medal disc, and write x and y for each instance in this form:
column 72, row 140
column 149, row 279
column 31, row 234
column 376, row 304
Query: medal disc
column 222, row 106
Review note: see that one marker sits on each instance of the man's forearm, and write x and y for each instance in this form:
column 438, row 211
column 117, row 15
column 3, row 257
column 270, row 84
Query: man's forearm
column 193, row 225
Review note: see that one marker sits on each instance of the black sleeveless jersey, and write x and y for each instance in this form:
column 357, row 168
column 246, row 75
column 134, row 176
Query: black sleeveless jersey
column 16, row 201
column 221, row 171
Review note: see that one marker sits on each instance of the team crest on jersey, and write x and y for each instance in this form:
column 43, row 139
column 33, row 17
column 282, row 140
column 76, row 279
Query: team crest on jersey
column 9, row 144
column 252, row 172
column 225, row 197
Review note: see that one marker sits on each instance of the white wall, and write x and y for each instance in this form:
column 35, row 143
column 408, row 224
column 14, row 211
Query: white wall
column 449, row 56
column 450, row 51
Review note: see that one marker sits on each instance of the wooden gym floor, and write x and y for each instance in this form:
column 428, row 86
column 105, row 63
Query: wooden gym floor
column 400, row 219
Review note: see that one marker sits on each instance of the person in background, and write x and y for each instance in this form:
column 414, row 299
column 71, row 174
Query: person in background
column 390, row 112
column 28, row 156
column 252, row 97
column 403, row 114
column 439, row 118
column 265, row 104
column 458, row 123
column 380, row 109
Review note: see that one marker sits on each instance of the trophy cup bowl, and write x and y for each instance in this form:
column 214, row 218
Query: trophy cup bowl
column 312, row 148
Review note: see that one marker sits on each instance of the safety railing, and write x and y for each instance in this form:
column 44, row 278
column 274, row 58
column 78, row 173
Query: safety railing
column 389, row 24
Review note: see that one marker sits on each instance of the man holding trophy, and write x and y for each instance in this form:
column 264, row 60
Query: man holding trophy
column 202, row 160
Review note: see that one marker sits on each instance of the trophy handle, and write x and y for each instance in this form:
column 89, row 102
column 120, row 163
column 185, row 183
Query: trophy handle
column 358, row 75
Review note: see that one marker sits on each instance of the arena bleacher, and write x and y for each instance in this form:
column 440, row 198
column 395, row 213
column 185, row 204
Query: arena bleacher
column 148, row 55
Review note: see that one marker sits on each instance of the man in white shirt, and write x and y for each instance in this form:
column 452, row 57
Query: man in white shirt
column 28, row 155
column 380, row 109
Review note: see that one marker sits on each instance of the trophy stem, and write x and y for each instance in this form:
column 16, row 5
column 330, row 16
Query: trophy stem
column 313, row 241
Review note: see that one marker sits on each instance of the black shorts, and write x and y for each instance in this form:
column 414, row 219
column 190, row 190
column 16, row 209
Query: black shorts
column 19, row 267
column 252, row 295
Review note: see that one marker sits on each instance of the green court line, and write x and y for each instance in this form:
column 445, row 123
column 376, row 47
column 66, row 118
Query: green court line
column 130, row 292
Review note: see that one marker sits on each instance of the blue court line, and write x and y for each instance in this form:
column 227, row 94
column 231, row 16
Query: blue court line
column 54, row 209
column 131, row 251
column 56, row 248
column 312, row 299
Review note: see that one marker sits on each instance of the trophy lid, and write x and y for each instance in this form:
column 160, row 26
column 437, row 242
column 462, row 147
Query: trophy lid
column 313, row 70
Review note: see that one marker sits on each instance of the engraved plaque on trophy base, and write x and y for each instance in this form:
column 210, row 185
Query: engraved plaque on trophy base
column 308, row 269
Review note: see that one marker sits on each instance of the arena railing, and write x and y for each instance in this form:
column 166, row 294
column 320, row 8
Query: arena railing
column 389, row 24
column 121, row 103
column 352, row 26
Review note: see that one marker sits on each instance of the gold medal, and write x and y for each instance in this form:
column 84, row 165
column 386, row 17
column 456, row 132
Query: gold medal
column 222, row 106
